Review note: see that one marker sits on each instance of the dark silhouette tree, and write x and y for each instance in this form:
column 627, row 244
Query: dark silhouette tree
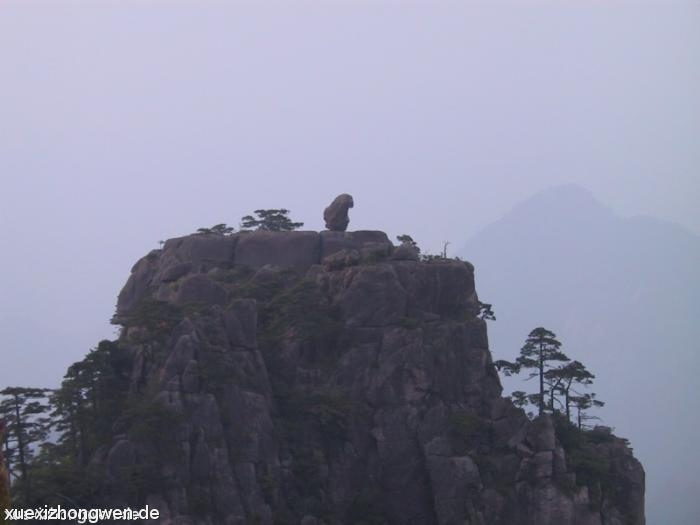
column 522, row 399
column 582, row 403
column 83, row 413
column 519, row 398
column 407, row 239
column 25, row 412
column 93, row 391
column 540, row 350
column 563, row 379
column 507, row 367
column 4, row 476
column 557, row 384
column 217, row 229
column 486, row 312
column 274, row 220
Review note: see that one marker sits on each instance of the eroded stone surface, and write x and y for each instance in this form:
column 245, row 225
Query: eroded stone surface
column 327, row 379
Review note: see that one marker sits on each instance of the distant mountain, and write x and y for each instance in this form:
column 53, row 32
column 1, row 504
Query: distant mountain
column 623, row 295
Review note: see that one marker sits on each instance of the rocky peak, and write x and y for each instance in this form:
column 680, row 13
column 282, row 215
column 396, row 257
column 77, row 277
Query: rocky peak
column 331, row 378
column 200, row 254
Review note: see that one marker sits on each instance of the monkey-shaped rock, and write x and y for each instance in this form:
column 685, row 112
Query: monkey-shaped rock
column 336, row 214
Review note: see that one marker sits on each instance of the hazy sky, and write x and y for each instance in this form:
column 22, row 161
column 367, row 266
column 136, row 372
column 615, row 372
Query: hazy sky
column 124, row 123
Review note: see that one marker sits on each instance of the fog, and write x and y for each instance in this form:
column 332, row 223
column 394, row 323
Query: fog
column 623, row 296
column 126, row 123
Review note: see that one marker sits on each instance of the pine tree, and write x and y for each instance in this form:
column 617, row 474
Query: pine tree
column 83, row 411
column 486, row 312
column 217, row 229
column 25, row 412
column 274, row 220
column 541, row 348
column 91, row 394
column 582, row 403
column 540, row 351
column 522, row 399
column 407, row 239
column 562, row 379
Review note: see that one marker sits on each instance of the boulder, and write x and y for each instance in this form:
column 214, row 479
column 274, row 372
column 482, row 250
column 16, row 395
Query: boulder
column 336, row 214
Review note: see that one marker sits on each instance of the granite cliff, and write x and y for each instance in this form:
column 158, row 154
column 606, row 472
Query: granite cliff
column 332, row 378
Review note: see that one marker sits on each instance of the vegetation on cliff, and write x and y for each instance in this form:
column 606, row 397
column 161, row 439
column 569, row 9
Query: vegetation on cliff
column 275, row 377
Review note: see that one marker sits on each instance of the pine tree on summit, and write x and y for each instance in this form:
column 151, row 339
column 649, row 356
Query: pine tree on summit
column 274, row 220
column 217, row 229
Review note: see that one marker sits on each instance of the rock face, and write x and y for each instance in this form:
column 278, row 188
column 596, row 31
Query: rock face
column 304, row 378
column 336, row 214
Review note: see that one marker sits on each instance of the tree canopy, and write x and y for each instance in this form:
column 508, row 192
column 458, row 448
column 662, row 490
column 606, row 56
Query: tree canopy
column 541, row 348
column 274, row 220
column 25, row 413
column 217, row 229
column 51, row 434
column 559, row 378
column 563, row 378
column 486, row 311
column 407, row 239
